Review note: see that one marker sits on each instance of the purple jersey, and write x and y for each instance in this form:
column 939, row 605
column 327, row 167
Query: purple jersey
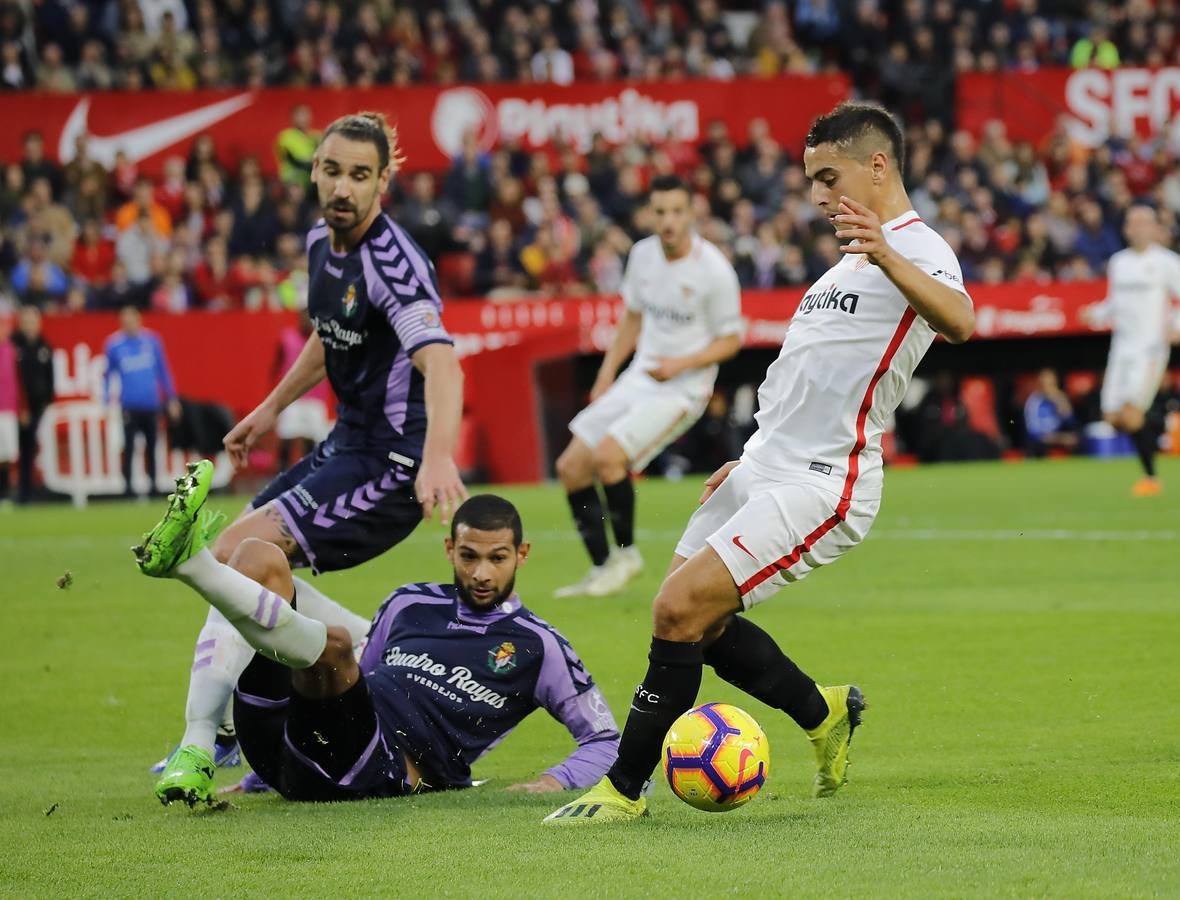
column 373, row 308
column 448, row 683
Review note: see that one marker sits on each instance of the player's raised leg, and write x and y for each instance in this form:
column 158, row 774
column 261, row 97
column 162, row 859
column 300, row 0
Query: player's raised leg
column 176, row 547
column 691, row 602
column 221, row 653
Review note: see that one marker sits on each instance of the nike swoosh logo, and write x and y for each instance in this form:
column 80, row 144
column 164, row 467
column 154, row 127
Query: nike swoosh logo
column 140, row 143
column 746, row 756
column 737, row 539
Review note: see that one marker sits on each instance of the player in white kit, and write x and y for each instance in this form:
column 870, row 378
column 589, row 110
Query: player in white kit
column 1141, row 282
column 682, row 316
column 808, row 484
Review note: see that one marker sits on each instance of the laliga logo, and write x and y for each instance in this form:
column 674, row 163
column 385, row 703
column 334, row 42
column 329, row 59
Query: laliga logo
column 458, row 111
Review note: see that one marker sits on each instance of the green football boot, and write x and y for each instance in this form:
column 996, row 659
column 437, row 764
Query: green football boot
column 601, row 804
column 833, row 736
column 188, row 777
column 185, row 527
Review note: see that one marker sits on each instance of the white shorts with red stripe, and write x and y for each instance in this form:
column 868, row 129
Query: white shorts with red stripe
column 771, row 533
column 643, row 415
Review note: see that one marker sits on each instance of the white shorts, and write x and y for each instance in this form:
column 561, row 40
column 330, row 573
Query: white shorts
column 305, row 418
column 9, row 437
column 771, row 533
column 1132, row 378
column 642, row 414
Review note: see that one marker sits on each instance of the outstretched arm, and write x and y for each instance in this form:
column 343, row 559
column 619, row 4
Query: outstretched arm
column 438, row 483
column 308, row 370
column 592, row 725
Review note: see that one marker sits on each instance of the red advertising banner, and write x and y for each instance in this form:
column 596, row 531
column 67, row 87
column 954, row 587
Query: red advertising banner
column 432, row 121
column 1093, row 104
column 230, row 357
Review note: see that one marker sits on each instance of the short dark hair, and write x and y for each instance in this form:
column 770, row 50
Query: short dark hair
column 488, row 512
column 667, row 183
column 373, row 128
column 851, row 122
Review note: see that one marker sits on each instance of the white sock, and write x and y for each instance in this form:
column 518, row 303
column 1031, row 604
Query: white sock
column 316, row 605
column 263, row 618
column 221, row 656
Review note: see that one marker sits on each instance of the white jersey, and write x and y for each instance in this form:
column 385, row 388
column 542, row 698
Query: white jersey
column 1138, row 306
column 686, row 304
column 847, row 359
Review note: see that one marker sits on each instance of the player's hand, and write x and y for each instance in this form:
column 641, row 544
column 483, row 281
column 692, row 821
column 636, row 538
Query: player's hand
column 174, row 410
column 714, row 481
column 438, row 485
column 859, row 223
column 666, row 368
column 544, row 784
column 246, row 433
column 601, row 385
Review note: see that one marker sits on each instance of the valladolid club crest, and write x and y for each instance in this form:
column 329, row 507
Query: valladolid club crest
column 502, row 658
column 350, row 300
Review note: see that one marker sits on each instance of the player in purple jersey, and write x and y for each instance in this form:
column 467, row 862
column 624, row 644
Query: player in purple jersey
column 379, row 340
column 448, row 671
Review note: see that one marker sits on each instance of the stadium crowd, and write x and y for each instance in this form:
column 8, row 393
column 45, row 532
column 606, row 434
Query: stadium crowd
column 510, row 223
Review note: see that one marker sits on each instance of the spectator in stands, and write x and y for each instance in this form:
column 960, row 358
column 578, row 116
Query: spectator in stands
column 170, row 192
column 295, row 147
column 255, row 228
column 467, row 186
column 1095, row 49
column 219, row 284
column 1096, row 240
column 143, row 202
column 34, row 362
column 172, row 292
column 498, row 269
column 136, row 356
column 82, row 167
column 118, row 292
column 37, row 280
column 50, row 219
column 1048, row 417
column 94, row 256
column 140, row 249
column 429, row 219
column 14, row 69
column 35, row 165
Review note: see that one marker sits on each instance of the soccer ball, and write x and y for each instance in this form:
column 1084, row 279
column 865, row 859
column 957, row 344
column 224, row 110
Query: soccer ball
column 716, row 757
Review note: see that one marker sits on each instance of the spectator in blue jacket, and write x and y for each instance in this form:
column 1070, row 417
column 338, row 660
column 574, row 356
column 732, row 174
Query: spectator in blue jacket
column 1048, row 417
column 146, row 388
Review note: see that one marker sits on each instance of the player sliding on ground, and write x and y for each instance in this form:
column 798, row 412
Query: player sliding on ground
column 1141, row 282
column 682, row 316
column 388, row 462
column 808, row 485
column 448, row 671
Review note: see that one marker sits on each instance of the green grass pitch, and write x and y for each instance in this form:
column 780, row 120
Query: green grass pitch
column 1016, row 629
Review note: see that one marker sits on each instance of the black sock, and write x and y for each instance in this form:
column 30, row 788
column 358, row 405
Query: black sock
column 588, row 515
column 620, row 502
column 668, row 690
column 5, row 481
column 1146, row 444
column 748, row 658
